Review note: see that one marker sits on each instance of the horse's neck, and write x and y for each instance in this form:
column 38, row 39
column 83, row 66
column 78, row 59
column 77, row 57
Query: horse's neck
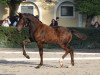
column 36, row 22
column 31, row 30
column 32, row 27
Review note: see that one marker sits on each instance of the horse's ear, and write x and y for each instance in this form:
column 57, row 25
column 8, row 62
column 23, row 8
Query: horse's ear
column 20, row 15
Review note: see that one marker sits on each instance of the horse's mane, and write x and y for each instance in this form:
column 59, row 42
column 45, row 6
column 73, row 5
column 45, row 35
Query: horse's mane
column 31, row 15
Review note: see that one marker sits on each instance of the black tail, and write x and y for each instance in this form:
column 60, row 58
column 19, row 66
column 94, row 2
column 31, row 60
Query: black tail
column 78, row 34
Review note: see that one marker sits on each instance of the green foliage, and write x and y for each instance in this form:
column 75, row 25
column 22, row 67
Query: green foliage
column 14, row 1
column 11, row 38
column 88, row 7
column 92, row 41
column 3, row 1
column 10, row 1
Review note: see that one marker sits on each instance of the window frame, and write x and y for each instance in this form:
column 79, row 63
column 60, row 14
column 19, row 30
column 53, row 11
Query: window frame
column 67, row 16
column 27, row 5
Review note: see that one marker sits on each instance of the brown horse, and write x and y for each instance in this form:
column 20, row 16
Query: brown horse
column 43, row 34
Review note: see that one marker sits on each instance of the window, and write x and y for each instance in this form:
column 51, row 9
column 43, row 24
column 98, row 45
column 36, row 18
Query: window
column 67, row 11
column 27, row 9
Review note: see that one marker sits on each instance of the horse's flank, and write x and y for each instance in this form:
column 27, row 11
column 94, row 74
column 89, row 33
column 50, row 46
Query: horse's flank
column 47, row 34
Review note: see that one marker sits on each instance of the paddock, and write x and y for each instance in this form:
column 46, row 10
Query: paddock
column 12, row 62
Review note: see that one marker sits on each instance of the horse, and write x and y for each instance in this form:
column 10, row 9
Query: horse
column 44, row 34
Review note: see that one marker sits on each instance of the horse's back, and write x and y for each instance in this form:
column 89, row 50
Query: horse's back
column 59, row 30
column 56, row 34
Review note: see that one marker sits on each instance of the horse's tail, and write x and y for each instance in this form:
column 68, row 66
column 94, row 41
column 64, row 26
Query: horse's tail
column 78, row 34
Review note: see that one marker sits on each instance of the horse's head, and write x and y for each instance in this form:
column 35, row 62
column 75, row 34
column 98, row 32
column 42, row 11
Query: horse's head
column 29, row 20
column 22, row 22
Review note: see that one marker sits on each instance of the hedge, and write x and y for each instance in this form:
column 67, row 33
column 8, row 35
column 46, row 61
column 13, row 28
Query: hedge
column 11, row 38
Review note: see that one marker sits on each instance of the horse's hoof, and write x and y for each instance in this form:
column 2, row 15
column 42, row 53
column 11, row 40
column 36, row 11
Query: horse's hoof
column 37, row 67
column 61, row 65
column 72, row 64
column 61, row 62
column 27, row 57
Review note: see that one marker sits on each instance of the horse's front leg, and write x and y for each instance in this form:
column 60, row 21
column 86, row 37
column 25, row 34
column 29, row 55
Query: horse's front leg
column 25, row 42
column 40, row 46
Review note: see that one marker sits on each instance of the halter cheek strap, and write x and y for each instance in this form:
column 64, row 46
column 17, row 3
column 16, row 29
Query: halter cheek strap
column 26, row 21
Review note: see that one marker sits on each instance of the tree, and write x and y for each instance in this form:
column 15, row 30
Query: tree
column 90, row 8
column 12, row 4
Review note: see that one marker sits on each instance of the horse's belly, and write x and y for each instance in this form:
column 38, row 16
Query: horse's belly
column 51, row 40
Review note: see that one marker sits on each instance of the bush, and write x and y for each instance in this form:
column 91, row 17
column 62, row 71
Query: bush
column 92, row 41
column 11, row 38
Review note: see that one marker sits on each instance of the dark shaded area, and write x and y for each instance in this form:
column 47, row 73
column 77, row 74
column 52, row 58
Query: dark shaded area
column 87, row 50
column 31, row 64
column 2, row 62
column 10, row 38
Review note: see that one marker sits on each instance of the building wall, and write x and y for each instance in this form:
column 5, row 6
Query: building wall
column 4, row 12
column 66, row 20
column 47, row 13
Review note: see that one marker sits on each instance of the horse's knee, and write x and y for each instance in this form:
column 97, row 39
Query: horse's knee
column 71, row 51
column 23, row 42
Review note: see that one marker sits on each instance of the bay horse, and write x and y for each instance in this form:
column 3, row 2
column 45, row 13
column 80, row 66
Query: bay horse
column 43, row 34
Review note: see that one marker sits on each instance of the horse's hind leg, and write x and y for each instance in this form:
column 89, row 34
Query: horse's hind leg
column 66, row 52
column 72, row 56
column 25, row 42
